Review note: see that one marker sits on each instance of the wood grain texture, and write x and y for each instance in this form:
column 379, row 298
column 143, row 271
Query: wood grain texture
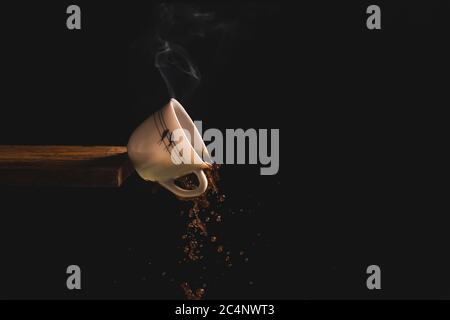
column 65, row 166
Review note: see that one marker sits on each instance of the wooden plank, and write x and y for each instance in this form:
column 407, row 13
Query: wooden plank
column 65, row 166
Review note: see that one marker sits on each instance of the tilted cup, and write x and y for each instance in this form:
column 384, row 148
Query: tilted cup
column 166, row 146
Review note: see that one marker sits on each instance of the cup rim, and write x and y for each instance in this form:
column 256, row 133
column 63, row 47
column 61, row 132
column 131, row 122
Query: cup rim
column 173, row 103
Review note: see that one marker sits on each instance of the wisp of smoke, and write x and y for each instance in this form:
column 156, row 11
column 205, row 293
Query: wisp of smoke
column 179, row 25
column 180, row 74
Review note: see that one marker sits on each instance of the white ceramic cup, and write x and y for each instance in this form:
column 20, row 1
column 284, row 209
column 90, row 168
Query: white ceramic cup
column 152, row 150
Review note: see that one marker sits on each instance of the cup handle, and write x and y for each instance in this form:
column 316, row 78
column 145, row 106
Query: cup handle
column 185, row 193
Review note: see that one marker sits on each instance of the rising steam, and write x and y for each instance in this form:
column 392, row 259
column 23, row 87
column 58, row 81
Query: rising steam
column 187, row 32
column 180, row 74
column 179, row 25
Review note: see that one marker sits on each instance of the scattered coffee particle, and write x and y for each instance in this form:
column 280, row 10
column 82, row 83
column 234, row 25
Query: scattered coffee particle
column 199, row 292
column 190, row 295
column 199, row 225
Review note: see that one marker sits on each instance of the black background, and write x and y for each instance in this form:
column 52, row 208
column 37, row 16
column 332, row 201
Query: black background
column 361, row 117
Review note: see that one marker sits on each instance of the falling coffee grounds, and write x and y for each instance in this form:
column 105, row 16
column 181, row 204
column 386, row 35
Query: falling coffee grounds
column 202, row 243
column 200, row 215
